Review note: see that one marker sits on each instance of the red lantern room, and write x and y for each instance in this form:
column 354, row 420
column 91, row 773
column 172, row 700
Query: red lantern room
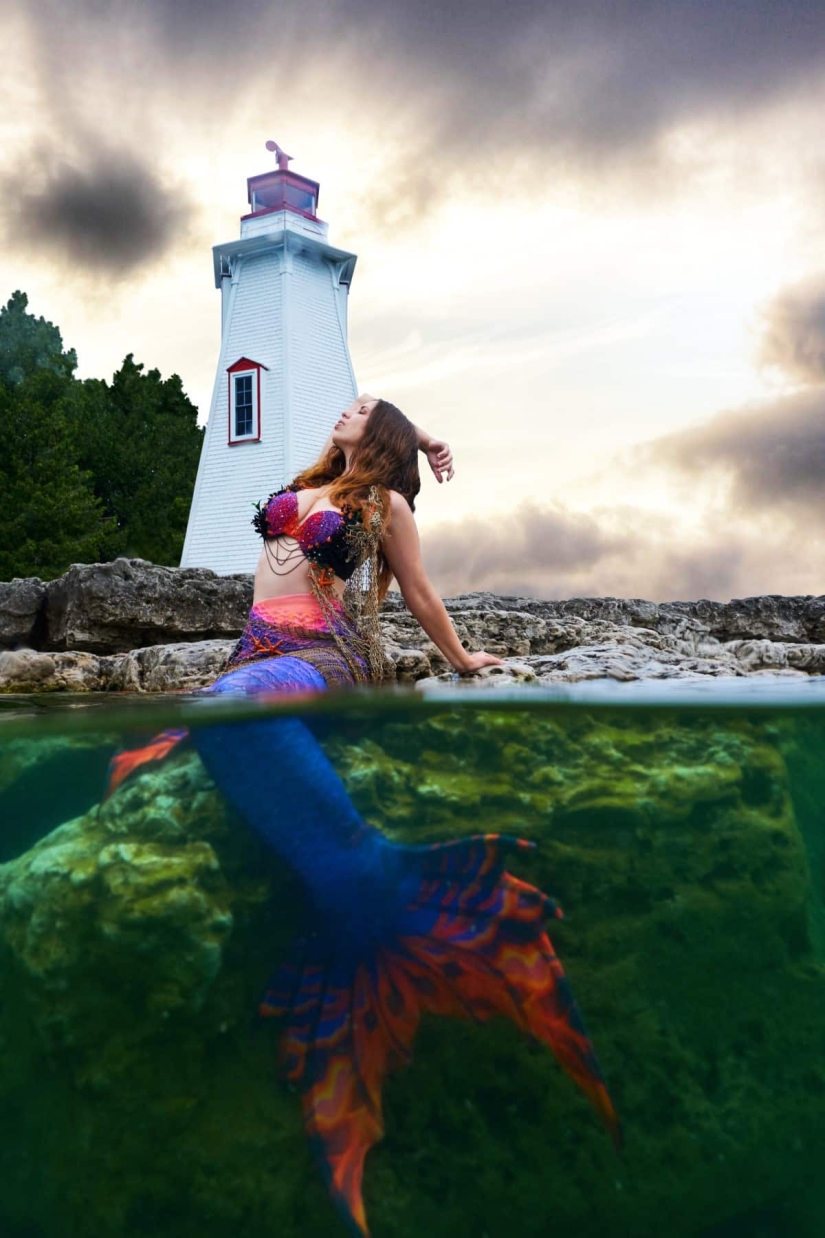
column 282, row 190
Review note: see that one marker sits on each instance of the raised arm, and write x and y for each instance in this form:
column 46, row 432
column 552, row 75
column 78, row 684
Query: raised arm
column 438, row 452
column 402, row 549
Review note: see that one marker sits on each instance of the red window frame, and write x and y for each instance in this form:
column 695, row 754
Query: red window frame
column 243, row 366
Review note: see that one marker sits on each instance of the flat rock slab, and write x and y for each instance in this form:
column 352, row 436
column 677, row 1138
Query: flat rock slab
column 130, row 625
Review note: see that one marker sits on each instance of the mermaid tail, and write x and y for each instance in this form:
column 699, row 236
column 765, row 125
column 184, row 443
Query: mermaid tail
column 470, row 942
column 396, row 931
column 129, row 760
column 282, row 675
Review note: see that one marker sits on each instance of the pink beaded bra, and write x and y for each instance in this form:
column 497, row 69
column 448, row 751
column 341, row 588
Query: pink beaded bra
column 321, row 536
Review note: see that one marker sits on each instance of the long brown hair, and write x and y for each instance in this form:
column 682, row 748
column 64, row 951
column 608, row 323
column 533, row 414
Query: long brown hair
column 386, row 458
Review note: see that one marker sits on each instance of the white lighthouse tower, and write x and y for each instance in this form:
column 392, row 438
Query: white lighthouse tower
column 284, row 371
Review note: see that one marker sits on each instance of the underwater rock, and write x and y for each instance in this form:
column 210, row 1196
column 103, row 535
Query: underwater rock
column 136, row 940
column 45, row 780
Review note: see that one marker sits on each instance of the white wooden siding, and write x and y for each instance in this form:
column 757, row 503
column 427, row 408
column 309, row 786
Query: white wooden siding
column 288, row 313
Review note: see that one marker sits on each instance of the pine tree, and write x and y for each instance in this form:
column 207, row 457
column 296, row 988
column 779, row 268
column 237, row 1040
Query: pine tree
column 88, row 470
column 139, row 438
column 29, row 344
column 49, row 515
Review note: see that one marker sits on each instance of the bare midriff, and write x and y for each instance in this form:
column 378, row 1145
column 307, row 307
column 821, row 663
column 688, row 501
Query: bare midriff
column 272, row 584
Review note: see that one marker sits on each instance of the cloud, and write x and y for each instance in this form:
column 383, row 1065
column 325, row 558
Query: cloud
column 517, row 553
column 626, row 553
column 794, row 332
column 104, row 213
column 476, row 95
column 761, row 531
column 772, row 455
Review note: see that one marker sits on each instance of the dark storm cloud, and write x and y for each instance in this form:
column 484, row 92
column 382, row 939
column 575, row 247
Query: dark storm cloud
column 774, row 455
column 582, row 85
column 105, row 214
column 794, row 335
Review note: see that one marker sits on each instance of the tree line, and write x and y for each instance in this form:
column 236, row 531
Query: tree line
column 89, row 470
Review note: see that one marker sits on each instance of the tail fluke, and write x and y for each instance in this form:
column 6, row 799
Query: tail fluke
column 469, row 942
column 334, row 1050
column 486, row 933
column 125, row 763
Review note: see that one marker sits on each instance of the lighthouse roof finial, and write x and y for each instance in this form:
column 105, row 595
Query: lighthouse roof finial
column 283, row 158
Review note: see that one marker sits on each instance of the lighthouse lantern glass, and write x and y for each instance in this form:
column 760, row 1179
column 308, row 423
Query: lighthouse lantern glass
column 280, row 194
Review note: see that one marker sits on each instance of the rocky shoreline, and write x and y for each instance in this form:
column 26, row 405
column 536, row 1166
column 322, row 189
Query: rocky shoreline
column 130, row 625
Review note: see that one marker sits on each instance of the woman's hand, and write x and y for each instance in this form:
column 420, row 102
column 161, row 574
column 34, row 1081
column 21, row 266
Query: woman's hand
column 440, row 459
column 475, row 661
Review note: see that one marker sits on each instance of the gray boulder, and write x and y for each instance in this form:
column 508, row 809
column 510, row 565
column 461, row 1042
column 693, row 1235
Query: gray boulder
column 22, row 604
column 113, row 607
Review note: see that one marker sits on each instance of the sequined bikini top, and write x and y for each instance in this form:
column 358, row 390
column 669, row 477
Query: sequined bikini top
column 322, row 535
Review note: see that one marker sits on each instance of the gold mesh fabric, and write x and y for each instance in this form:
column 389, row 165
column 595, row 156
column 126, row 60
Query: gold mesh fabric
column 360, row 600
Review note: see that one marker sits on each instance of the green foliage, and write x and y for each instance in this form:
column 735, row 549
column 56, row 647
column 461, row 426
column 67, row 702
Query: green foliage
column 49, row 516
column 140, row 440
column 29, row 344
column 89, row 470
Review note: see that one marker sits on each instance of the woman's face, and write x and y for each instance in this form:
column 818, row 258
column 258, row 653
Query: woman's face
column 350, row 426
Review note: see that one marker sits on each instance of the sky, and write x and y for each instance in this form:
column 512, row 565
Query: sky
column 590, row 238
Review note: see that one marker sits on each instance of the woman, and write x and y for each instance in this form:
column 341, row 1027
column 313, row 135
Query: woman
column 334, row 539
column 396, row 930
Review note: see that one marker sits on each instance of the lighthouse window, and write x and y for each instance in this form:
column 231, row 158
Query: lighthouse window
column 244, row 401
column 243, row 405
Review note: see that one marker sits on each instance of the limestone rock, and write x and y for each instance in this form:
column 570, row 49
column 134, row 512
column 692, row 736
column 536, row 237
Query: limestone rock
column 113, row 607
column 26, row 670
column 22, row 603
column 169, row 668
column 133, row 626
column 156, row 668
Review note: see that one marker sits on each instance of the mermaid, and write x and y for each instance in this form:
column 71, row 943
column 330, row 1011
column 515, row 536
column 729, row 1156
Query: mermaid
column 396, row 930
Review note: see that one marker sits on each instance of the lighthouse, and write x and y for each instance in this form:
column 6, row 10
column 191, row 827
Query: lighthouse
column 284, row 371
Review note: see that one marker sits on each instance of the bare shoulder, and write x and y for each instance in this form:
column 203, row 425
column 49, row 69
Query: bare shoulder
column 400, row 510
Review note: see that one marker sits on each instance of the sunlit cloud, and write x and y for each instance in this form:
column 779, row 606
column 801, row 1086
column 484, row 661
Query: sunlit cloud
column 794, row 332
column 773, row 456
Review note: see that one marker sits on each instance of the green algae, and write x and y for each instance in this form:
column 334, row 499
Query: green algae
column 135, row 942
